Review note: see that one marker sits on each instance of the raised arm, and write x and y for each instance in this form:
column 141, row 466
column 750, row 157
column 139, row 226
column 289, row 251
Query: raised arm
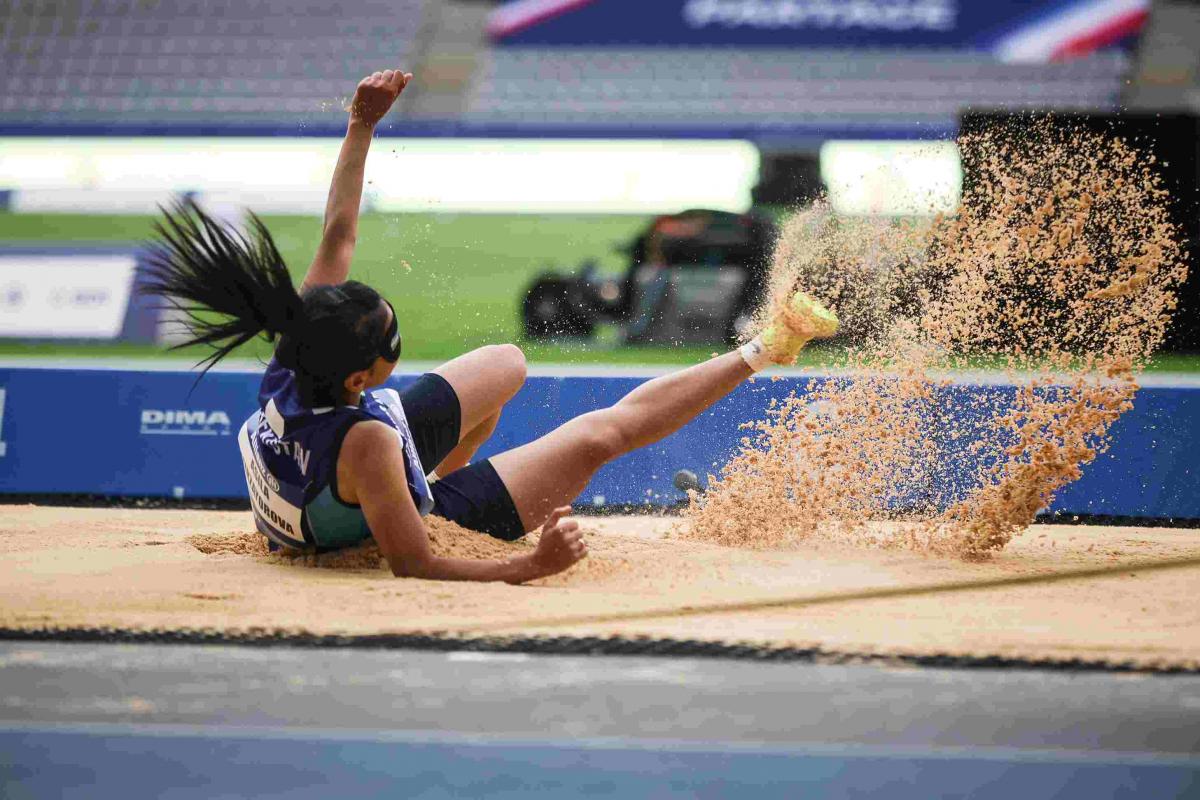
column 372, row 99
column 382, row 491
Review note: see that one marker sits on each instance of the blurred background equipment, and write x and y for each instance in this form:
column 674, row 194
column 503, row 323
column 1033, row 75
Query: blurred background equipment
column 693, row 278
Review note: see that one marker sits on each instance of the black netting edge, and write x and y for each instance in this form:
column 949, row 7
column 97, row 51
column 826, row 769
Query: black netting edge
column 577, row 646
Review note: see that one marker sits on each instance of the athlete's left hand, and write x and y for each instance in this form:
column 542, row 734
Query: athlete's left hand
column 560, row 545
column 375, row 95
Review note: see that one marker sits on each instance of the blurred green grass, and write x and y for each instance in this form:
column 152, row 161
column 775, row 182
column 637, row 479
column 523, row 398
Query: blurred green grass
column 456, row 280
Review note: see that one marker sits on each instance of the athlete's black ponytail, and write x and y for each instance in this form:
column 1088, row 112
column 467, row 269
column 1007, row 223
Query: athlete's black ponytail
column 199, row 265
column 232, row 286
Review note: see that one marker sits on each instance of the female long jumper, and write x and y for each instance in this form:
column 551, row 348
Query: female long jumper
column 332, row 459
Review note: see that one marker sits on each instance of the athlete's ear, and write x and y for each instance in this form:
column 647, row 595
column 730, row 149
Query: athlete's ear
column 356, row 382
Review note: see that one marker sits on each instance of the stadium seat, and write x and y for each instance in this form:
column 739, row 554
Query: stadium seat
column 281, row 63
column 218, row 61
column 683, row 87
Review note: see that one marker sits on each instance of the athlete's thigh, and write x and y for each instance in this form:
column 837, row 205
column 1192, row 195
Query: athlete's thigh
column 484, row 380
column 434, row 418
column 552, row 471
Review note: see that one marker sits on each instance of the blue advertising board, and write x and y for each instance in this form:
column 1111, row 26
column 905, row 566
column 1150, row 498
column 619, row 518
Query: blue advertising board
column 159, row 433
column 1028, row 29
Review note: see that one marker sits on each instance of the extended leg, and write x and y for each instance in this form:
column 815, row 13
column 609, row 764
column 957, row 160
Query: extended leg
column 554, row 469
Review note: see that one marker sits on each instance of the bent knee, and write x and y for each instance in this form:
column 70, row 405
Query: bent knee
column 513, row 358
column 603, row 436
column 512, row 362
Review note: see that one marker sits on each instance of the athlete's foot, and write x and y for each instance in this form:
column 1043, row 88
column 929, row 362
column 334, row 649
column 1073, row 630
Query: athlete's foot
column 790, row 329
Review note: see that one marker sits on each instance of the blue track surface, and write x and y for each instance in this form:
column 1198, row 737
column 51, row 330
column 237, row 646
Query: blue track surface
column 142, row 761
column 170, row 721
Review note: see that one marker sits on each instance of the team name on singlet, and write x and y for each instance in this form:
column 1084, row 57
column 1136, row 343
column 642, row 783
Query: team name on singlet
column 267, row 438
column 274, row 515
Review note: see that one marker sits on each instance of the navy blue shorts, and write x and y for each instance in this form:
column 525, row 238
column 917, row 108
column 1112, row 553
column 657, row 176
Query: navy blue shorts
column 473, row 496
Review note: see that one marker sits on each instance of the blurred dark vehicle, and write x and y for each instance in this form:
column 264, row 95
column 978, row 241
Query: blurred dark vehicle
column 693, row 278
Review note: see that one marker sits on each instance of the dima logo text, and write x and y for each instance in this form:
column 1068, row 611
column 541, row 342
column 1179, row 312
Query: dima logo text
column 185, row 422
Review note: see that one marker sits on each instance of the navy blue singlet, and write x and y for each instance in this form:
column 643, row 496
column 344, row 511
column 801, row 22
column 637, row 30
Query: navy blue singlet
column 290, row 451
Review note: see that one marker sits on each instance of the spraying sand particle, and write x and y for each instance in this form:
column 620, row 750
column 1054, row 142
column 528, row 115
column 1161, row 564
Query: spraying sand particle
column 1060, row 268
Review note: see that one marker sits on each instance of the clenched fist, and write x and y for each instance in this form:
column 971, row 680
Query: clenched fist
column 375, row 95
column 561, row 544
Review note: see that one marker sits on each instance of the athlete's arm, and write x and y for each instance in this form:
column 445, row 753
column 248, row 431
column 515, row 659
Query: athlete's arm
column 372, row 99
column 379, row 486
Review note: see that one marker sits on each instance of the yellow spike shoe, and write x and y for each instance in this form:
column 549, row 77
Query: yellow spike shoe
column 795, row 325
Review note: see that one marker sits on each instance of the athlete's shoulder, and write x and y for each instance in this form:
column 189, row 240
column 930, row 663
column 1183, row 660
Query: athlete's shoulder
column 368, row 438
column 373, row 461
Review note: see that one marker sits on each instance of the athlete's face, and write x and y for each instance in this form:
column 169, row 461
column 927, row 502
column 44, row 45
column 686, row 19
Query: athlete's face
column 382, row 368
column 378, row 372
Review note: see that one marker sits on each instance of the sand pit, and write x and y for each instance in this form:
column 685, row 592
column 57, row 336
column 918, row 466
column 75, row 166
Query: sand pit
column 143, row 569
